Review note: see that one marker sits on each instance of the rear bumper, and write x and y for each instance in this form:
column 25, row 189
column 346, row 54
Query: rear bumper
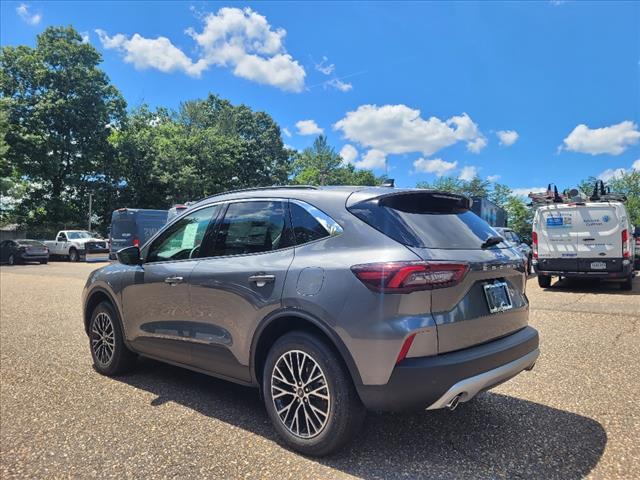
column 34, row 258
column 432, row 382
column 624, row 272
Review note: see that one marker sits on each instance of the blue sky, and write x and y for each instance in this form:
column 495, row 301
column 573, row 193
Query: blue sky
column 530, row 92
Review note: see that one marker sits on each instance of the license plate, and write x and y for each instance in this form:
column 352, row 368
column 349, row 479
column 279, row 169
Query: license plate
column 498, row 298
column 598, row 265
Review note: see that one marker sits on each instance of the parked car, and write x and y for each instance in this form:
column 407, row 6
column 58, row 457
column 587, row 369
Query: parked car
column 75, row 245
column 516, row 242
column 22, row 251
column 133, row 227
column 329, row 300
column 585, row 240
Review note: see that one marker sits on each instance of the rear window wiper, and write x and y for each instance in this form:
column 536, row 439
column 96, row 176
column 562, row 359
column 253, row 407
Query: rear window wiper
column 491, row 241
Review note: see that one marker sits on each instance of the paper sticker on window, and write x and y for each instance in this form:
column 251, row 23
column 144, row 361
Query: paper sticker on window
column 189, row 235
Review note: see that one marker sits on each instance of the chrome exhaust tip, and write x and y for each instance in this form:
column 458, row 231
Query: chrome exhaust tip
column 454, row 402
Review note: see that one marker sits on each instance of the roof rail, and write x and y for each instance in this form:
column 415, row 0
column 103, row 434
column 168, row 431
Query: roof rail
column 251, row 189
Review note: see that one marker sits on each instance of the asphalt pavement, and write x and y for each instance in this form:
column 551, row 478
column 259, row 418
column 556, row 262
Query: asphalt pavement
column 575, row 415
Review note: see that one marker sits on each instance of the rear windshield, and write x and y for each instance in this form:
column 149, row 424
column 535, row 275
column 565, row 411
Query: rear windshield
column 30, row 243
column 123, row 228
column 426, row 221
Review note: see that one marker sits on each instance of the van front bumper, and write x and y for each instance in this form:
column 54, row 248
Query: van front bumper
column 434, row 382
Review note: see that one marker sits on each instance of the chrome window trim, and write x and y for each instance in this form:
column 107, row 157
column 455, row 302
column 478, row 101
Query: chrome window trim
column 332, row 227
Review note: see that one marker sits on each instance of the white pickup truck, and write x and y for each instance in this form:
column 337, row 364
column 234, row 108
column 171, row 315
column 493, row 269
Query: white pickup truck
column 76, row 245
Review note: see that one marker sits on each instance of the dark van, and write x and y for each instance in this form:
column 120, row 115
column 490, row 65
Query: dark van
column 133, row 227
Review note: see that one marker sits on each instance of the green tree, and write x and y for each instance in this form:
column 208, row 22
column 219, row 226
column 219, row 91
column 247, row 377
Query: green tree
column 60, row 108
column 627, row 183
column 207, row 146
column 320, row 164
column 476, row 187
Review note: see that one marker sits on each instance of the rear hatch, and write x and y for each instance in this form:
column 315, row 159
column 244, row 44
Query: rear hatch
column 557, row 240
column 489, row 301
column 598, row 232
column 123, row 230
column 35, row 248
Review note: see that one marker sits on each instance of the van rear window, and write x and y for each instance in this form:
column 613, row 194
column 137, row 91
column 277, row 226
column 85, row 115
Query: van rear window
column 426, row 221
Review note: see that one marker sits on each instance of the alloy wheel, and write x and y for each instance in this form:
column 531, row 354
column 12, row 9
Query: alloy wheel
column 12, row 260
column 300, row 394
column 103, row 339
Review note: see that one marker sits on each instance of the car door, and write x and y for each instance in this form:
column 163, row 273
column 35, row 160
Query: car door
column 239, row 283
column 61, row 243
column 155, row 294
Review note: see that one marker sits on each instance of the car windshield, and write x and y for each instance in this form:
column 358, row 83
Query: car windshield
column 78, row 235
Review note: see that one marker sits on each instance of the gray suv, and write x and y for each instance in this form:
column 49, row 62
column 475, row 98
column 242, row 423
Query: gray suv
column 329, row 300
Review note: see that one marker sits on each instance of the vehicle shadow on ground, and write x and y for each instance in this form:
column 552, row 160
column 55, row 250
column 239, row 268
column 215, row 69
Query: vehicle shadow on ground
column 596, row 287
column 493, row 436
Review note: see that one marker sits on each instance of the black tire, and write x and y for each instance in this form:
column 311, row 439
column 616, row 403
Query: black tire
column 122, row 359
column 73, row 255
column 44, row 262
column 544, row 281
column 529, row 265
column 345, row 410
column 627, row 284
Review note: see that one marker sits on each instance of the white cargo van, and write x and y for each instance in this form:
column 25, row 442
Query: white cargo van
column 583, row 239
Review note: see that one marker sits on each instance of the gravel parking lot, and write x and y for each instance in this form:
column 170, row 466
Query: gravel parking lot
column 575, row 415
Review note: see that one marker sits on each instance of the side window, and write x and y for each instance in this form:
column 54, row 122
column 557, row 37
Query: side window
column 182, row 240
column 306, row 228
column 62, row 237
column 516, row 238
column 252, row 227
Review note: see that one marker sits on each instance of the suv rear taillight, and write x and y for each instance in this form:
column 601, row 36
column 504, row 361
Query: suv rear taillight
column 625, row 244
column 136, row 242
column 534, row 240
column 405, row 277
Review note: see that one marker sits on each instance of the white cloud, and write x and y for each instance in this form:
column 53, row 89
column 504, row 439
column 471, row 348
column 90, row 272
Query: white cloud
column 308, row 127
column 475, row 146
column 349, row 153
column 525, row 191
column 286, row 132
column 400, row 129
column 493, row 178
column 437, row 166
column 85, row 37
column 612, row 140
column 158, row 53
column 339, row 84
column 31, row 18
column 507, row 137
column 324, row 67
column 636, row 165
column 373, row 159
column 611, row 173
column 468, row 173
column 239, row 39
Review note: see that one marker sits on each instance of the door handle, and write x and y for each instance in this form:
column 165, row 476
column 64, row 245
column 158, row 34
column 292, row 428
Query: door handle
column 173, row 280
column 261, row 279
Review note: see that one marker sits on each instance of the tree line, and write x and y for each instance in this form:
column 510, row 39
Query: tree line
column 66, row 133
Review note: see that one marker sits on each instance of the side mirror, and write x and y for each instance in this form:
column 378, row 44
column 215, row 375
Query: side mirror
column 129, row 256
